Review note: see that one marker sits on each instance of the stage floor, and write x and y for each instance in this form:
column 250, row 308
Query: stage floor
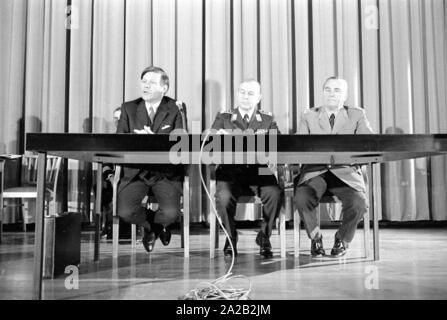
column 413, row 265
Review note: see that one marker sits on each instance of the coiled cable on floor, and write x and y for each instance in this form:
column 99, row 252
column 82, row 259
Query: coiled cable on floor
column 220, row 288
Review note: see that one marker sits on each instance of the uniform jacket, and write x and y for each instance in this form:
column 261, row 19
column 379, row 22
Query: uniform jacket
column 349, row 120
column 260, row 123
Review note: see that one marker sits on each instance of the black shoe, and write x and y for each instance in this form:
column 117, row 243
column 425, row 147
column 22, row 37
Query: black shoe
column 106, row 232
column 316, row 247
column 227, row 248
column 339, row 248
column 265, row 246
column 165, row 236
column 149, row 240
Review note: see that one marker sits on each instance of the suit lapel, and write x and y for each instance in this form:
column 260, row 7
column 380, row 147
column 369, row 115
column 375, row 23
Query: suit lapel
column 323, row 121
column 142, row 116
column 162, row 113
column 340, row 120
column 254, row 124
column 239, row 122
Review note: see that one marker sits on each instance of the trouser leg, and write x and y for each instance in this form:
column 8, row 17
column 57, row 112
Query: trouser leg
column 354, row 206
column 129, row 203
column 226, row 201
column 271, row 205
column 168, row 194
column 306, row 199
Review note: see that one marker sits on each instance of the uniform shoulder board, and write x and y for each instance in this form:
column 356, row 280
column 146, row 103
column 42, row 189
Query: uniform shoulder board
column 311, row 109
column 226, row 111
column 354, row 108
column 266, row 112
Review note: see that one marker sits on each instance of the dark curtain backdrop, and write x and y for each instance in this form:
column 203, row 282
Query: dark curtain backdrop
column 67, row 64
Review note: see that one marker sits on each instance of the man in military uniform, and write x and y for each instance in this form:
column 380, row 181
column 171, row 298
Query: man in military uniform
column 236, row 180
column 344, row 182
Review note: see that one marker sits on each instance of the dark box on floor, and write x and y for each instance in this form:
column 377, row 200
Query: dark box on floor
column 62, row 243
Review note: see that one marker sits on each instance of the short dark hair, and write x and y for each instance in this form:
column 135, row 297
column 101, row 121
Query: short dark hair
column 334, row 78
column 164, row 75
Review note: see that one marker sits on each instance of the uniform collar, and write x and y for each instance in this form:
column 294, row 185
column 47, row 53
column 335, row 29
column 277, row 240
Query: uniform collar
column 249, row 113
column 324, row 111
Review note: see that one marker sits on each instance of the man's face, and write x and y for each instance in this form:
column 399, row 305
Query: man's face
column 334, row 93
column 152, row 89
column 249, row 95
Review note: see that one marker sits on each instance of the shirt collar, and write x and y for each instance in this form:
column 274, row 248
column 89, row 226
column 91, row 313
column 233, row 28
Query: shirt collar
column 335, row 112
column 154, row 106
column 243, row 113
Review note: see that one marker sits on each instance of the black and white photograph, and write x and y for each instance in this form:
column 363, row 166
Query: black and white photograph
column 259, row 151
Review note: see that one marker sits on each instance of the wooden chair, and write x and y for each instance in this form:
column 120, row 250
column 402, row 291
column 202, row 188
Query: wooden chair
column 327, row 199
column 27, row 187
column 149, row 200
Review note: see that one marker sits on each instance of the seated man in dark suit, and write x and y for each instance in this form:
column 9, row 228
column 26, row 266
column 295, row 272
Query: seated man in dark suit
column 153, row 113
column 235, row 180
column 344, row 182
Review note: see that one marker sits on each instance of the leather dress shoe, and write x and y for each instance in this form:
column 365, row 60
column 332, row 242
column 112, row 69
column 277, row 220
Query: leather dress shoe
column 316, row 247
column 339, row 249
column 165, row 236
column 227, row 248
column 263, row 242
column 149, row 240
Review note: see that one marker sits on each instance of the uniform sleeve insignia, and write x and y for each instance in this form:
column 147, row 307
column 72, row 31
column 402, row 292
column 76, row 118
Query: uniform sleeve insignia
column 234, row 117
column 258, row 117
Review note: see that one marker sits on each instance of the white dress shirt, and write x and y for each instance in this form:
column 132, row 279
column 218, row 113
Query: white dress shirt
column 154, row 106
column 335, row 112
column 243, row 113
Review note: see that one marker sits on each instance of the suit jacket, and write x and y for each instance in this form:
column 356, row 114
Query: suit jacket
column 260, row 122
column 167, row 118
column 349, row 120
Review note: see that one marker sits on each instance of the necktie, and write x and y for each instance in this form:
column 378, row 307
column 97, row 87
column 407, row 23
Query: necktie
column 151, row 114
column 331, row 120
column 246, row 120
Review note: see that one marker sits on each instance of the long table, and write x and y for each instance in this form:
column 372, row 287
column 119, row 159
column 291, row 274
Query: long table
column 238, row 149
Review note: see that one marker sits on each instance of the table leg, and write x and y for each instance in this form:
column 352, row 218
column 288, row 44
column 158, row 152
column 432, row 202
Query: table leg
column 98, row 211
column 40, row 226
column 374, row 213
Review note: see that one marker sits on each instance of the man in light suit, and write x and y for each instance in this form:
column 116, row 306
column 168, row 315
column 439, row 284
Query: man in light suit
column 236, row 180
column 152, row 113
column 345, row 182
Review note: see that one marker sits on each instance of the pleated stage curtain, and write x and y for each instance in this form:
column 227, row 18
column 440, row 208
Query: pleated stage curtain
column 67, row 64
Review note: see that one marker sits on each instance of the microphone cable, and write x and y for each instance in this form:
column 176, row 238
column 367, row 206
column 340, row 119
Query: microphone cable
column 220, row 288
